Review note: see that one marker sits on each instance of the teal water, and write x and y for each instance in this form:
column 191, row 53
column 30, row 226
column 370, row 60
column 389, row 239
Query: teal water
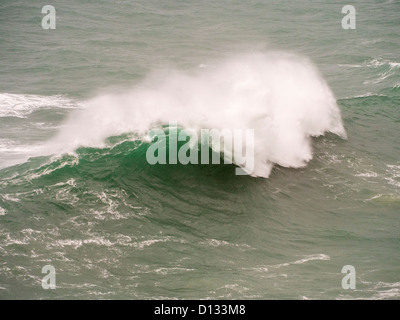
column 115, row 227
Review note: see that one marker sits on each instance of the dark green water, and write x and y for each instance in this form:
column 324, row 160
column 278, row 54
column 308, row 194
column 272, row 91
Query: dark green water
column 114, row 226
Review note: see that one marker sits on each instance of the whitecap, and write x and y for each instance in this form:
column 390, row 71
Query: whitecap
column 312, row 257
column 21, row 105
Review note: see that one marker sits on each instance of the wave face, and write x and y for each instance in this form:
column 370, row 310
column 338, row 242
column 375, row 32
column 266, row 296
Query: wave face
column 279, row 95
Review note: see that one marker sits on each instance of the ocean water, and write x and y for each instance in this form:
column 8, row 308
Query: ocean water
column 77, row 192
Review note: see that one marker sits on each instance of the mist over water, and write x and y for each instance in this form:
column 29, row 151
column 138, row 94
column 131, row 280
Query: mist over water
column 76, row 190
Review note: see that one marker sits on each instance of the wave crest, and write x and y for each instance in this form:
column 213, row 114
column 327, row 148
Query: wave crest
column 279, row 95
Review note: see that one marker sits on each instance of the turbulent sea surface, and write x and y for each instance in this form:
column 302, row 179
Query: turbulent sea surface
column 76, row 190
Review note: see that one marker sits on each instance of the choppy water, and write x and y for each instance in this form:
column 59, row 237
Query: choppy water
column 76, row 190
